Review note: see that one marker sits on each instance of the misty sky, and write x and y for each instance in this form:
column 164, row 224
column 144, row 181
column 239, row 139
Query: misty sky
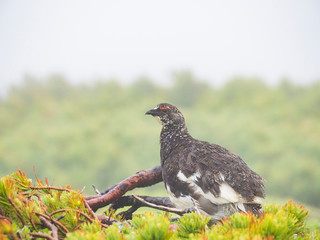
column 217, row 40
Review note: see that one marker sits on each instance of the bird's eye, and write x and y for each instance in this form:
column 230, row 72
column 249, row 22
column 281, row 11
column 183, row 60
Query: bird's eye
column 162, row 108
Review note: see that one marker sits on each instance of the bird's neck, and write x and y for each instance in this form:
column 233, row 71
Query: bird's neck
column 171, row 137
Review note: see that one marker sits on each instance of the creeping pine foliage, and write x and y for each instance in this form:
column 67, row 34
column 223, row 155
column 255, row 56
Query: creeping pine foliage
column 22, row 204
column 192, row 224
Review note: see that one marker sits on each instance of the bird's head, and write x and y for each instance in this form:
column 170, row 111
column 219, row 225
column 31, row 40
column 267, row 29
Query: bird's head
column 167, row 114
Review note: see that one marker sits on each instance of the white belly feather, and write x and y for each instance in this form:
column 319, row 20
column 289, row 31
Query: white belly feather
column 227, row 196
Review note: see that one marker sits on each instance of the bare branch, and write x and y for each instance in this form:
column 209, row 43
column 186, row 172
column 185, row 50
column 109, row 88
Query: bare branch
column 163, row 208
column 96, row 189
column 55, row 221
column 52, row 227
column 74, row 210
column 41, row 235
column 89, row 208
column 49, row 187
column 141, row 179
column 17, row 210
column 196, row 207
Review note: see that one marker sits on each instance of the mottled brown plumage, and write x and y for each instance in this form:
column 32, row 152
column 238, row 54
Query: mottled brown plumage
column 220, row 182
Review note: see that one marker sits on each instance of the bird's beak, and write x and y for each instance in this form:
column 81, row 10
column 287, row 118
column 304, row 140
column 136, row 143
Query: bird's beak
column 151, row 112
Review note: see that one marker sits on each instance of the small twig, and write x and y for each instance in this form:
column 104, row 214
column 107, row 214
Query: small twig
column 100, row 194
column 49, row 187
column 89, row 208
column 74, row 210
column 78, row 226
column 41, row 235
column 96, row 189
column 5, row 218
column 163, row 208
column 196, row 206
column 33, row 225
column 135, row 204
column 39, row 198
column 51, row 226
column 60, row 226
column 18, row 212
column 82, row 189
column 59, row 218
column 34, row 171
column 65, row 230
column 131, row 201
column 20, row 235
column 58, row 211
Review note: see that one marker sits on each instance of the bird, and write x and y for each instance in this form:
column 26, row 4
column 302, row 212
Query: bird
column 202, row 175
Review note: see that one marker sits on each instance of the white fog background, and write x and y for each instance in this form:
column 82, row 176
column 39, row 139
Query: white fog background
column 216, row 40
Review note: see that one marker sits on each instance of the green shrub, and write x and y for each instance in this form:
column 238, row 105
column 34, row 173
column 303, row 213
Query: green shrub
column 276, row 222
column 192, row 223
column 22, row 204
column 150, row 226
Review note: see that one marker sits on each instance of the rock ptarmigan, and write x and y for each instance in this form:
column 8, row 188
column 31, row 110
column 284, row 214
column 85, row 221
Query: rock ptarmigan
column 219, row 182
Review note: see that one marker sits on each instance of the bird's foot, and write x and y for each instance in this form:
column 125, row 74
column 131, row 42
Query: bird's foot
column 174, row 219
column 191, row 209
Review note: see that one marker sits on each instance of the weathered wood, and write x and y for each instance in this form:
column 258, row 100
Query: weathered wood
column 135, row 204
column 52, row 227
column 143, row 178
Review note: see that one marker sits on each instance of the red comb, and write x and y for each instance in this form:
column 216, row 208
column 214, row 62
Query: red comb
column 161, row 108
